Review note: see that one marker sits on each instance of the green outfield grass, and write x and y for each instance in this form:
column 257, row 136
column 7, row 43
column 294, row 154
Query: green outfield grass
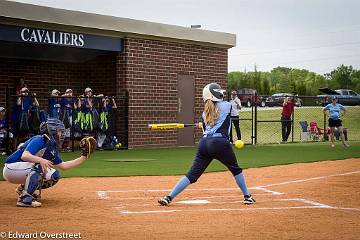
column 176, row 161
column 271, row 132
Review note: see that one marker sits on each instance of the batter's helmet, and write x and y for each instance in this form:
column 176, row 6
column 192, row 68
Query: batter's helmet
column 213, row 92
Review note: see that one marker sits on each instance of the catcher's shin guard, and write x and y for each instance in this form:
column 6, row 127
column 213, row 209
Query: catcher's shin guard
column 31, row 184
column 50, row 180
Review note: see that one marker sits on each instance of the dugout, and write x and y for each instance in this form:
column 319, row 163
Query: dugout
column 161, row 68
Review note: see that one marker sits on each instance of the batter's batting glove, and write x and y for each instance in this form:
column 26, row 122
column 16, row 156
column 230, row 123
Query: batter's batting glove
column 88, row 145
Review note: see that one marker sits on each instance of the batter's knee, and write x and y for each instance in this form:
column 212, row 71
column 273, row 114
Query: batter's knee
column 236, row 171
column 192, row 177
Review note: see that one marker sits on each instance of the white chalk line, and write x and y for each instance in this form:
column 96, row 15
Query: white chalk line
column 123, row 205
column 156, row 197
column 307, row 179
column 103, row 193
column 312, row 204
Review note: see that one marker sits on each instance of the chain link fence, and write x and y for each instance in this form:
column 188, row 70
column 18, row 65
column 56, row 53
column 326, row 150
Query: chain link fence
column 261, row 124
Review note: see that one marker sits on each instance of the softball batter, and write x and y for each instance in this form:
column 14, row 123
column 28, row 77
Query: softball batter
column 214, row 144
column 34, row 165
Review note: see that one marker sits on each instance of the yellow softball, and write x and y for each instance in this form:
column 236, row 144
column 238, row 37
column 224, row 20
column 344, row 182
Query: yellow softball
column 239, row 144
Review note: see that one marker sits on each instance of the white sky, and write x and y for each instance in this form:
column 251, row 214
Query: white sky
column 317, row 35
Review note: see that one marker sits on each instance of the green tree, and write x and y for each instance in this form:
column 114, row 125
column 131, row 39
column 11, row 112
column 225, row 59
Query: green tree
column 342, row 75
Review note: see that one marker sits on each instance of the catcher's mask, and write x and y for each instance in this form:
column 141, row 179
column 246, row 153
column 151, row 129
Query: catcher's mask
column 55, row 129
column 213, row 92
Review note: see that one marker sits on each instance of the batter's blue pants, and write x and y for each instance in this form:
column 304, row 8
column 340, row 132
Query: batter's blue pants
column 210, row 148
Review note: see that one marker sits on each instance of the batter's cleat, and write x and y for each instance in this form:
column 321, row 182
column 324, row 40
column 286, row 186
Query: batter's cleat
column 33, row 204
column 248, row 199
column 165, row 201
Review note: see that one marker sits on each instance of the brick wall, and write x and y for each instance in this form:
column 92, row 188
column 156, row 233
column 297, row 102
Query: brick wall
column 41, row 76
column 148, row 69
column 151, row 70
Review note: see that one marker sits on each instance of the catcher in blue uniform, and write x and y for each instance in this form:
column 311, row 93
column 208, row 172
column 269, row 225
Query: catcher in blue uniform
column 34, row 165
column 215, row 144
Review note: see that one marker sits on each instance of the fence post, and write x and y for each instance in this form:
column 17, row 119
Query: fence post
column 255, row 129
column 252, row 125
column 7, row 104
column 325, row 132
column 127, row 118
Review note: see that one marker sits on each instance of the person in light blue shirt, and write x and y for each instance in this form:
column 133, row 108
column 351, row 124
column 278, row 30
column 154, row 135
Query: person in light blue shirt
column 215, row 144
column 335, row 111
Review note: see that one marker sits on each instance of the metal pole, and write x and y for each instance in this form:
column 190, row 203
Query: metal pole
column 255, row 129
column 7, row 119
column 292, row 127
column 252, row 125
column 325, row 131
column 127, row 118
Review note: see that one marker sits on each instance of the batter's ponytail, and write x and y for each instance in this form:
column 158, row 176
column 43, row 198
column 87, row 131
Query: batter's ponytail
column 211, row 113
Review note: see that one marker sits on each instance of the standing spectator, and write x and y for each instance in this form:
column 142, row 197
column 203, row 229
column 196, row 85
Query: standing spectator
column 287, row 111
column 20, row 83
column 335, row 109
column 86, row 107
column 21, row 114
column 105, row 120
column 235, row 109
column 25, row 102
column 54, row 104
column 67, row 105
column 79, row 118
column 3, row 130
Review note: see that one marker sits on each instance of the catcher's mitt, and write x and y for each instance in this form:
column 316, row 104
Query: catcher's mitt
column 88, row 146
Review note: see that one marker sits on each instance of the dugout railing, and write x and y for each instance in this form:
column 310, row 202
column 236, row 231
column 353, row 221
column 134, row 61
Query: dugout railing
column 113, row 128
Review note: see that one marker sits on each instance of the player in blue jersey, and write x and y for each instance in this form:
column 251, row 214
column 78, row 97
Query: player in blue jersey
column 335, row 110
column 215, row 144
column 34, row 165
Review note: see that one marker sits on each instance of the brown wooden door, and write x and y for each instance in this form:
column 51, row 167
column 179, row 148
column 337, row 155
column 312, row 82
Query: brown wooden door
column 186, row 101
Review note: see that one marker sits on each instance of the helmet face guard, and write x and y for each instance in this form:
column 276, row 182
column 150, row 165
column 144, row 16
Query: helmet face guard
column 55, row 129
column 213, row 92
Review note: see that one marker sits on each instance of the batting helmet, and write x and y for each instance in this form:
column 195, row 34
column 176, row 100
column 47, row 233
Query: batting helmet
column 213, row 92
column 55, row 129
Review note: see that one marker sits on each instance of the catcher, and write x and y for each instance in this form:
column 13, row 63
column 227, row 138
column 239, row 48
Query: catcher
column 35, row 164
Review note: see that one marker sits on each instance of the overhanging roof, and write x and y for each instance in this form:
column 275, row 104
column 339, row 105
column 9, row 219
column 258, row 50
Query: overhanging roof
column 21, row 13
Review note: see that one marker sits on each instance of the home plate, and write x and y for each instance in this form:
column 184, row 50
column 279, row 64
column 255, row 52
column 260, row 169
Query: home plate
column 194, row 202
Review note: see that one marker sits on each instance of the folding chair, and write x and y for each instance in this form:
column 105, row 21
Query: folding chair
column 304, row 134
column 315, row 131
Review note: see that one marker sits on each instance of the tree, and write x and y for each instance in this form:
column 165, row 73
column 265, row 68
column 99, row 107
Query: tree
column 342, row 75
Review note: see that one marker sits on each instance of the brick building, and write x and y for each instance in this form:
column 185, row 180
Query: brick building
column 162, row 67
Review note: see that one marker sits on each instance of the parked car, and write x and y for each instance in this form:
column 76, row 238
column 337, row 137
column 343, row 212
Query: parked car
column 343, row 96
column 248, row 97
column 277, row 99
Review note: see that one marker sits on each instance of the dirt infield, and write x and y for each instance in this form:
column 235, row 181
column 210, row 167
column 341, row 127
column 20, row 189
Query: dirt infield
column 299, row 201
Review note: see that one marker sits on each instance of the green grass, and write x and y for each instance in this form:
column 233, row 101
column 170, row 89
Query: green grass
column 177, row 161
column 271, row 132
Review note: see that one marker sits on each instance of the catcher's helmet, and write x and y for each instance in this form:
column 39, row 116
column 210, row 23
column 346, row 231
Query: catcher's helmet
column 55, row 129
column 213, row 92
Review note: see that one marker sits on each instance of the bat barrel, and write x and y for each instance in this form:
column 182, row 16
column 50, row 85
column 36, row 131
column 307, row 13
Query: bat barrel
column 168, row 126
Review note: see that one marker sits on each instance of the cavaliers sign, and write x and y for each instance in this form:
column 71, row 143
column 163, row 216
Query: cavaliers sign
column 52, row 37
column 59, row 38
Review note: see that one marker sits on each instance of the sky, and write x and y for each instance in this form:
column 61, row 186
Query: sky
column 317, row 35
